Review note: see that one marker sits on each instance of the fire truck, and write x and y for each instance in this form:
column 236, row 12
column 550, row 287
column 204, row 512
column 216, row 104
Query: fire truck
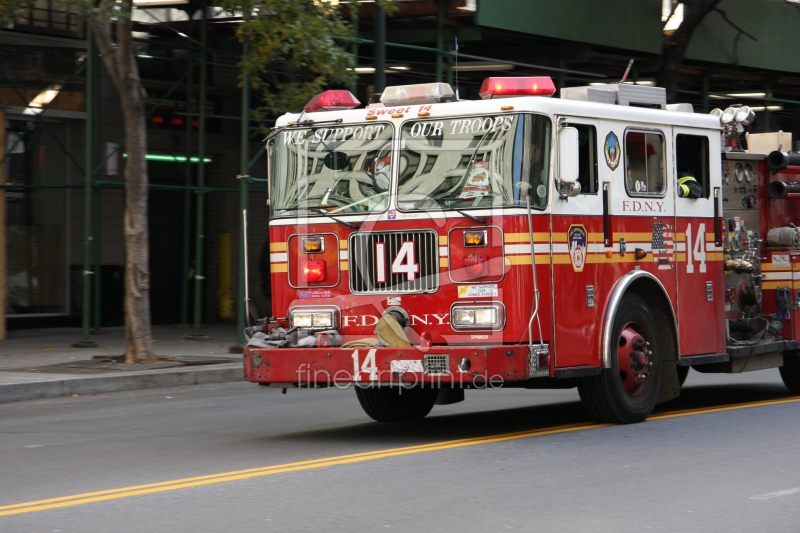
column 427, row 245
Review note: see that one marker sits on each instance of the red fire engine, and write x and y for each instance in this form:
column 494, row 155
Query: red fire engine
column 426, row 245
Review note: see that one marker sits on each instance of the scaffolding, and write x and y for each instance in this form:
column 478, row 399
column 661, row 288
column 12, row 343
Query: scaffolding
column 92, row 186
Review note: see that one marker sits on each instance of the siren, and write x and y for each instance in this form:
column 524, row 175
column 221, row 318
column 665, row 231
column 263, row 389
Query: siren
column 332, row 100
column 497, row 87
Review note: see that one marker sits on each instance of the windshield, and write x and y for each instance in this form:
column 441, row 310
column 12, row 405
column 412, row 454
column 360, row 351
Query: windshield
column 334, row 169
column 469, row 162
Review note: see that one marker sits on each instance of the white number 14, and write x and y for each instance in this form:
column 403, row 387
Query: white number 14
column 698, row 251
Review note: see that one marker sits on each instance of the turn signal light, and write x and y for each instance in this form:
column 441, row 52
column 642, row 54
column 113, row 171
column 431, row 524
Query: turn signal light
column 313, row 270
column 333, row 100
column 475, row 238
column 522, row 86
column 313, row 245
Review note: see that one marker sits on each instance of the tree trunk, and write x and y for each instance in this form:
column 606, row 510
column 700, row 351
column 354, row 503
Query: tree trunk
column 674, row 48
column 121, row 64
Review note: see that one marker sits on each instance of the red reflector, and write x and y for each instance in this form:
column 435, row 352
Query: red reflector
column 332, row 100
column 314, row 270
column 158, row 120
column 177, row 121
column 528, row 86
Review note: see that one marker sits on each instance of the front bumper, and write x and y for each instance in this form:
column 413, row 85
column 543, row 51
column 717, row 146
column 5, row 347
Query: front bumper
column 487, row 365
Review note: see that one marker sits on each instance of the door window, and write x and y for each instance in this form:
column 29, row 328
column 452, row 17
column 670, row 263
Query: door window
column 644, row 164
column 691, row 157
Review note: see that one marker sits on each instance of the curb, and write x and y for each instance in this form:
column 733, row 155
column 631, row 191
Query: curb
column 56, row 387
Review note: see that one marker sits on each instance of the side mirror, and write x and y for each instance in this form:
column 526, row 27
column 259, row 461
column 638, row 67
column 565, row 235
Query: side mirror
column 568, row 185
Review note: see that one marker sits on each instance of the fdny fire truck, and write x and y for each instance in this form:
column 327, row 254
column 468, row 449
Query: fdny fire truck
column 427, row 245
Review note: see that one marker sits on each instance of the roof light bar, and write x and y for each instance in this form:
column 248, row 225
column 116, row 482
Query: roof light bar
column 332, row 100
column 496, row 87
column 424, row 93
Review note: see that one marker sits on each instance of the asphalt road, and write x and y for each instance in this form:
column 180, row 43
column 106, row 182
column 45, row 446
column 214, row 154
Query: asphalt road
column 719, row 470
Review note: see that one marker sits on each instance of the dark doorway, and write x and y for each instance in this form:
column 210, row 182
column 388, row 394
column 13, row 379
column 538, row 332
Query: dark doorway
column 166, row 220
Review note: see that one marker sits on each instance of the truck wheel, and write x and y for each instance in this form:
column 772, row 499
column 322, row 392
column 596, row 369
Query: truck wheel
column 397, row 404
column 627, row 392
column 790, row 372
column 683, row 371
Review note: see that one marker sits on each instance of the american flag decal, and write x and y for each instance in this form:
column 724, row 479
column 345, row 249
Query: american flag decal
column 662, row 245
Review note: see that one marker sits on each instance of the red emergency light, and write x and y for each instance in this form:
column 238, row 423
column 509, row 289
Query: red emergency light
column 333, row 100
column 314, row 270
column 527, row 86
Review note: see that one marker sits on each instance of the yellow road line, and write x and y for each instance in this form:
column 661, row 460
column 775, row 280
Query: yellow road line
column 152, row 488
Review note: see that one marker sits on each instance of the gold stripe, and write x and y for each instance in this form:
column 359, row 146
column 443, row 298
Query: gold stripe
column 279, row 267
column 518, row 260
column 343, row 265
column 342, row 244
column 633, row 236
column 176, row 484
column 775, row 284
column 442, row 240
column 277, row 247
column 443, row 262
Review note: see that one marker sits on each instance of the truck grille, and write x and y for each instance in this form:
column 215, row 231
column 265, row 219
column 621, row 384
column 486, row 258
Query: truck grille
column 437, row 364
column 362, row 263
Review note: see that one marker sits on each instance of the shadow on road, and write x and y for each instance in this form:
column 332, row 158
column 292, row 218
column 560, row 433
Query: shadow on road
column 491, row 422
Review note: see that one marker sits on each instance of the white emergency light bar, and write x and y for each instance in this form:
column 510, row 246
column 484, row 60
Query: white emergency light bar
column 332, row 100
column 424, row 93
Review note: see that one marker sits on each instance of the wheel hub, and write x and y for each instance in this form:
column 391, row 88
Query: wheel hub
column 634, row 359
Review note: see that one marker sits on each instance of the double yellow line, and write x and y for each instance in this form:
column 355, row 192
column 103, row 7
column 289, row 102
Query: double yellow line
column 152, row 488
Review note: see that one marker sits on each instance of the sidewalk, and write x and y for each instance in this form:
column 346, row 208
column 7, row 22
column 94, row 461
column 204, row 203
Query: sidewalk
column 43, row 364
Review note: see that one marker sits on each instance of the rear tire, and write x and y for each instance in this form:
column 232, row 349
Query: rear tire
column 790, row 372
column 397, row 404
column 627, row 392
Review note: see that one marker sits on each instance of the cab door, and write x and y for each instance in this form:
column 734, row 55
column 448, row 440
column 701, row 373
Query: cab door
column 577, row 248
column 700, row 303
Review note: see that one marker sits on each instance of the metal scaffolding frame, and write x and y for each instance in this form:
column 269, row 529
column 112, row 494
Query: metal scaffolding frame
column 92, row 186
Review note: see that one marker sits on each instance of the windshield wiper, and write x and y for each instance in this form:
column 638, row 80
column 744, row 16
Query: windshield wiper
column 325, row 212
column 299, row 124
column 321, row 211
column 473, row 218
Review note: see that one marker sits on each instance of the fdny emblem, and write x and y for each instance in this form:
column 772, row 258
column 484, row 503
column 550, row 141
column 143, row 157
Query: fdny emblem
column 612, row 151
column 576, row 237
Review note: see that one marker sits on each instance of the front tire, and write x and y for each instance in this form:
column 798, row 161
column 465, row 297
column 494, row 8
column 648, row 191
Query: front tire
column 397, row 404
column 627, row 392
column 790, row 372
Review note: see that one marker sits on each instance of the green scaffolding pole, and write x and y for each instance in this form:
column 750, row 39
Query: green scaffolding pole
column 201, row 177
column 187, row 200
column 242, row 307
column 85, row 341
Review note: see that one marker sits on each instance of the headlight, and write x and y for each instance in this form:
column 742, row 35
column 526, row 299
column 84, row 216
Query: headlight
column 728, row 116
column 302, row 320
column 464, row 317
column 323, row 320
column 313, row 318
column 486, row 316
column 477, row 316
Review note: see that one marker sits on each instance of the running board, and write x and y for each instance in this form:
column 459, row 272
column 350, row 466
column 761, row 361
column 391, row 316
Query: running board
column 747, row 350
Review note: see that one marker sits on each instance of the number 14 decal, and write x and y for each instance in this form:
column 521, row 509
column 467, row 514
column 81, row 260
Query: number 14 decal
column 404, row 263
column 696, row 252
